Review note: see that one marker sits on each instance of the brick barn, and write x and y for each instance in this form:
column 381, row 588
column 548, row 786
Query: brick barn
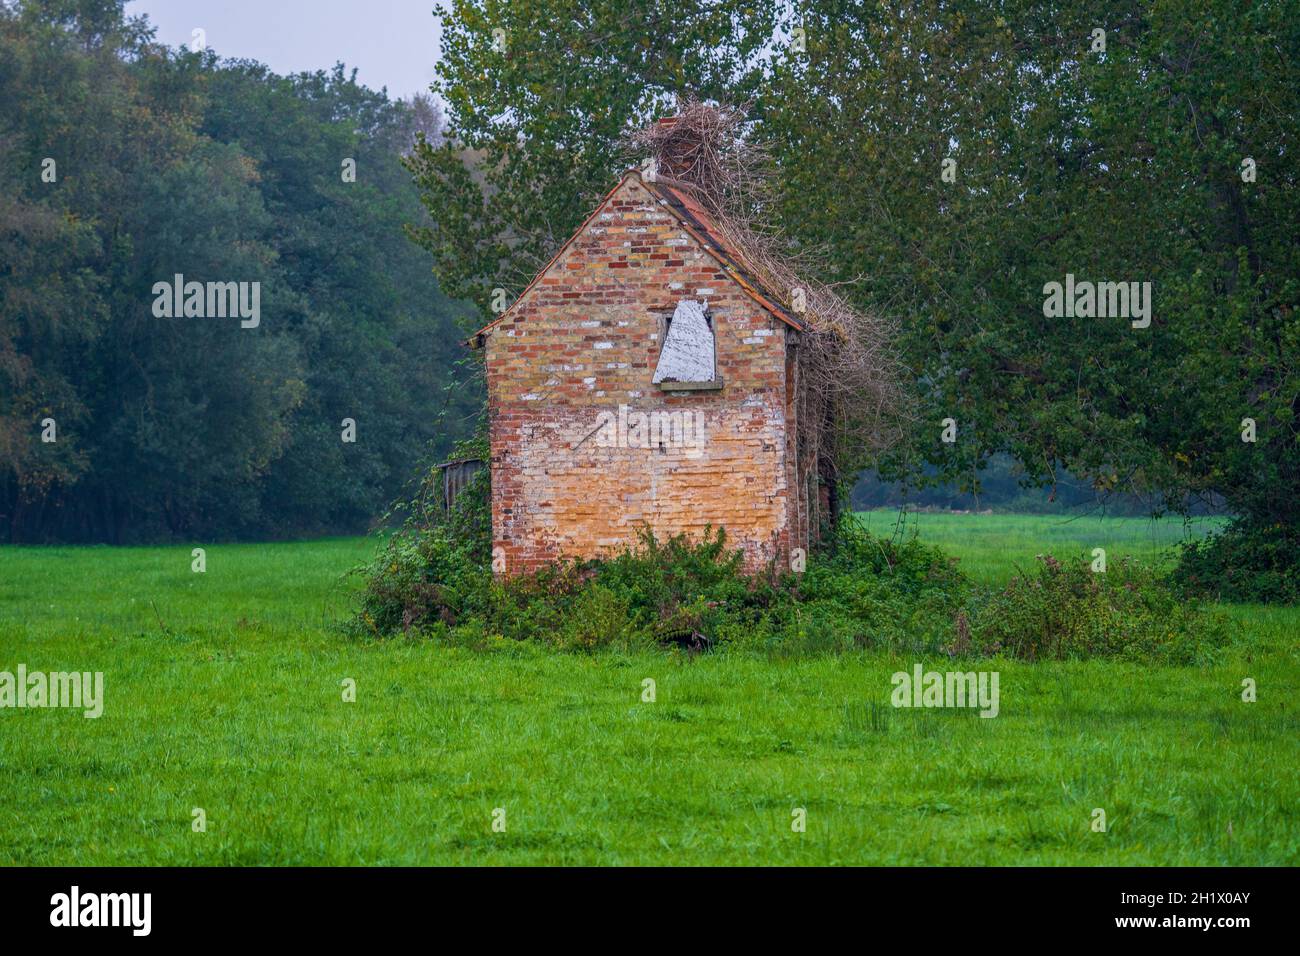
column 646, row 378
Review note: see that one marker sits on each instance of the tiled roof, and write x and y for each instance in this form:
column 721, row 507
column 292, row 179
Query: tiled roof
column 699, row 224
column 697, row 221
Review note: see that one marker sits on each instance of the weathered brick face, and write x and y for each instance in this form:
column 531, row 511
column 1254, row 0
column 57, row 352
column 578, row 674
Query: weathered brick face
column 569, row 372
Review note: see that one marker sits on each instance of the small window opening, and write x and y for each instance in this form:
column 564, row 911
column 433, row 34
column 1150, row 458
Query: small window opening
column 687, row 359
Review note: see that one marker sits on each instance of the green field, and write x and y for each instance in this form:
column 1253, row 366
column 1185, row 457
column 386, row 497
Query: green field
column 994, row 547
column 223, row 693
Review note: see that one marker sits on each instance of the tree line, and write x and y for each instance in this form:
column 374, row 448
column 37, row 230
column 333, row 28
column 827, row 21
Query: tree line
column 125, row 164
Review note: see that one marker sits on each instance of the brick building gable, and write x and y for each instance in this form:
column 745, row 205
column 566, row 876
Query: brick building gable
column 586, row 449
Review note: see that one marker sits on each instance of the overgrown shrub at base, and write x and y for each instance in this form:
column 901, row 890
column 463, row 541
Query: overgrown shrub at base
column 693, row 595
column 860, row 591
column 1244, row 562
column 673, row 592
column 1067, row 610
column 437, row 566
column 866, row 591
column 417, row 581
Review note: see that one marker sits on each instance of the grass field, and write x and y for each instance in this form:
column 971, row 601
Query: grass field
column 223, row 692
column 993, row 547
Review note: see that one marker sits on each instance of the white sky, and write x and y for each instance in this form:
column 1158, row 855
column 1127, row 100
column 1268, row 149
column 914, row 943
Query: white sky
column 393, row 43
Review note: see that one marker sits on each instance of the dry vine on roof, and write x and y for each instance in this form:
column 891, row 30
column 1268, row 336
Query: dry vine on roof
column 850, row 400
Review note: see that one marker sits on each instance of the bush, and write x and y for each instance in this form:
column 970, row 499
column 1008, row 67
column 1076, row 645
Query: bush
column 866, row 591
column 1066, row 610
column 436, row 567
column 1244, row 562
column 413, row 583
column 598, row 618
column 859, row 592
column 673, row 592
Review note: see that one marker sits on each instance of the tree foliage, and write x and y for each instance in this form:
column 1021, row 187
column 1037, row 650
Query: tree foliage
column 168, row 162
column 539, row 94
column 1122, row 165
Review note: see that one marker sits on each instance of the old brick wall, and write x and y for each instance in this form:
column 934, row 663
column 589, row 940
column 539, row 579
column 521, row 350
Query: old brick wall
column 584, row 340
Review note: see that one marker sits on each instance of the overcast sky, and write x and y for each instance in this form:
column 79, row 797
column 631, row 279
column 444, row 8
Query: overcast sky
column 393, row 43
